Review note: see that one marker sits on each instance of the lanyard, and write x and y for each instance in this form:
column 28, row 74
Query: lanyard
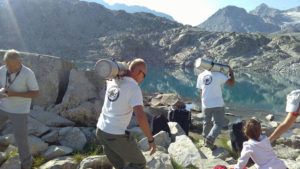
column 9, row 81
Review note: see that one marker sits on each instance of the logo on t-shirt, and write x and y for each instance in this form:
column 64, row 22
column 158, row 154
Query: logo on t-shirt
column 113, row 93
column 207, row 79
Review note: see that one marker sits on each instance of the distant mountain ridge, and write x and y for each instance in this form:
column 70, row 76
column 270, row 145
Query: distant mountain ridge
column 133, row 9
column 262, row 19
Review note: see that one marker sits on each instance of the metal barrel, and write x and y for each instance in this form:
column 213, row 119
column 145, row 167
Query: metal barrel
column 201, row 63
column 109, row 69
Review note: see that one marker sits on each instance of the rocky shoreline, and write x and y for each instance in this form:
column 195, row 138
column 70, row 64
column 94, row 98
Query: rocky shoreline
column 63, row 118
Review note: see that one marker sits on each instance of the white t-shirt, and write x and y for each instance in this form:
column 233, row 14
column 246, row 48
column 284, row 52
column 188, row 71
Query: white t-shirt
column 210, row 83
column 120, row 98
column 24, row 82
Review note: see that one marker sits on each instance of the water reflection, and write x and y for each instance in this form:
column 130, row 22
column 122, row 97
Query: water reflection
column 261, row 91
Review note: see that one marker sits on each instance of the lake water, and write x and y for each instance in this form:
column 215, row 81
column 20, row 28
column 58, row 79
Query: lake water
column 252, row 91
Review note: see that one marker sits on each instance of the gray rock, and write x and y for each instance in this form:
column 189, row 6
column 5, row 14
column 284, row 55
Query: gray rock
column 7, row 139
column 161, row 139
column 50, row 119
column 72, row 137
column 82, row 103
column 90, row 134
column 86, row 113
column 219, row 153
column 61, row 163
column 95, row 162
column 168, row 99
column 36, row 145
column 292, row 163
column 12, row 163
column 270, row 117
column 51, row 137
column 159, row 160
column 57, row 151
column 2, row 158
column 36, row 128
column 286, row 152
column 274, row 124
column 175, row 129
column 184, row 152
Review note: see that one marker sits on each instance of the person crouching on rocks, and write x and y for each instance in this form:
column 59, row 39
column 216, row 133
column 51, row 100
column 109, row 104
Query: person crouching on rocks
column 259, row 148
column 123, row 97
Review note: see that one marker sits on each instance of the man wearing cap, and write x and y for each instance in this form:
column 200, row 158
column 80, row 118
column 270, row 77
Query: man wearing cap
column 209, row 83
column 293, row 110
column 123, row 97
column 18, row 87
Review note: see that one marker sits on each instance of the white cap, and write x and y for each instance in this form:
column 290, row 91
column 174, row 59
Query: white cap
column 293, row 101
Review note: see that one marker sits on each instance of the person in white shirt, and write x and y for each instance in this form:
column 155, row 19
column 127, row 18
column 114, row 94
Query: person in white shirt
column 18, row 87
column 293, row 110
column 259, row 148
column 210, row 83
column 123, row 97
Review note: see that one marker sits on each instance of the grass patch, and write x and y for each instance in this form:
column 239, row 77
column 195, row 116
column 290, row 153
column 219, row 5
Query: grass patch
column 89, row 150
column 222, row 142
column 12, row 154
column 38, row 161
column 175, row 164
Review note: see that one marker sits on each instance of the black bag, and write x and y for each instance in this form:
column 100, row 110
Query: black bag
column 160, row 123
column 237, row 136
column 182, row 117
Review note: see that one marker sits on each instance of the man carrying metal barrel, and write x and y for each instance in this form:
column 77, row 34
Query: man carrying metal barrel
column 123, row 97
column 209, row 83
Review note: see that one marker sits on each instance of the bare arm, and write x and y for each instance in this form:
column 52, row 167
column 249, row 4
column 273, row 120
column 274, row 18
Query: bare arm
column 231, row 79
column 29, row 94
column 144, row 125
column 283, row 127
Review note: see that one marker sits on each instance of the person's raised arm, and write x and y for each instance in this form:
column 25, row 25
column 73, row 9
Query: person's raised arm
column 283, row 127
column 144, row 125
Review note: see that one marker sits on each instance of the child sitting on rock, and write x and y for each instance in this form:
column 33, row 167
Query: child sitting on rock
column 259, row 148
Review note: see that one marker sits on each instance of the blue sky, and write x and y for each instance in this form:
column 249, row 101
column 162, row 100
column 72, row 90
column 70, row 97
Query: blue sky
column 193, row 12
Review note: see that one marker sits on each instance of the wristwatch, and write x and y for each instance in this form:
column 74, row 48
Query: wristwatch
column 151, row 141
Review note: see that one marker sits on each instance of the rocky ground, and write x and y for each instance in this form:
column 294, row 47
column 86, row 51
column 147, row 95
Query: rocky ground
column 62, row 126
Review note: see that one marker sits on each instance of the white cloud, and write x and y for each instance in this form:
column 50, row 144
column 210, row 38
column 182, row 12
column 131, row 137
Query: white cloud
column 191, row 12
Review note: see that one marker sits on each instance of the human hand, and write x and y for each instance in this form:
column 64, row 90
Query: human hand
column 152, row 148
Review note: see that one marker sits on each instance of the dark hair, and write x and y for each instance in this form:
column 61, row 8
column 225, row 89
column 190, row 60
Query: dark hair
column 252, row 129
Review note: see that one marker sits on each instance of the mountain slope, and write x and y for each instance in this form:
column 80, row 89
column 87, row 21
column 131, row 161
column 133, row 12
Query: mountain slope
column 133, row 9
column 68, row 27
column 234, row 19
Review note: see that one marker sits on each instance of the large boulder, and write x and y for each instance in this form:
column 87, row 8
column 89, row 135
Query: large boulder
column 12, row 163
column 36, row 128
column 285, row 152
column 57, row 151
column 50, row 119
column 184, row 152
column 86, row 113
column 175, row 129
column 161, row 139
column 159, row 160
column 60, row 163
column 72, row 137
column 82, row 101
column 52, row 75
column 95, row 162
column 292, row 163
column 37, row 145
